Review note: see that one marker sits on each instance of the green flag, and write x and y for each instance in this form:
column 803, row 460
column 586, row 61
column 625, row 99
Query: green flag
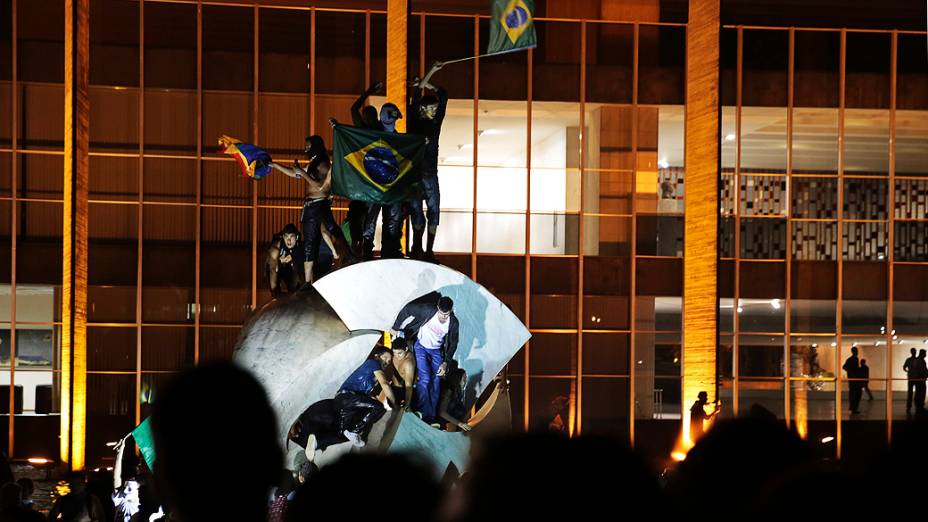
column 375, row 166
column 146, row 442
column 512, row 26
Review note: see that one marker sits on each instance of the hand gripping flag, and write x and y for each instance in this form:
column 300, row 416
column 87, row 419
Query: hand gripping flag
column 254, row 161
column 512, row 26
column 375, row 166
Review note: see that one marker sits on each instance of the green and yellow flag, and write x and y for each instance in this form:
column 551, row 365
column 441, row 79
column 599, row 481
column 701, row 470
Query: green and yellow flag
column 375, row 166
column 512, row 26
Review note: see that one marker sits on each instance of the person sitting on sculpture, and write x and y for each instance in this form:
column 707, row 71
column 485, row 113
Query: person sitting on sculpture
column 356, row 407
column 316, row 217
column 284, row 263
column 451, row 408
column 404, row 372
column 431, row 322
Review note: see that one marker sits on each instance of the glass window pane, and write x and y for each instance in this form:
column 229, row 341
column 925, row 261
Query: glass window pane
column 765, row 58
column 760, row 356
column 815, row 140
column 556, row 67
column 554, row 292
column 605, row 293
column 609, row 60
column 228, row 51
column 170, row 47
column 112, row 263
column 339, row 47
column 661, row 64
column 168, row 264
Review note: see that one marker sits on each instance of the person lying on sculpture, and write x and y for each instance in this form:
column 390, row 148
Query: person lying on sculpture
column 356, row 407
column 316, row 428
column 404, row 372
column 429, row 324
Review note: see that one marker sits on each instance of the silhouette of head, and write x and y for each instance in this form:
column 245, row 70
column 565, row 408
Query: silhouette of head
column 216, row 440
column 702, row 397
column 921, row 353
column 337, row 491
column 741, row 457
column 369, row 115
column 863, row 362
column 11, row 495
column 913, row 352
column 584, row 478
column 854, row 350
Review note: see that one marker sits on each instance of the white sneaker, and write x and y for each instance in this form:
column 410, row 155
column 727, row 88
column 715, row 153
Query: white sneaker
column 354, row 438
column 311, row 445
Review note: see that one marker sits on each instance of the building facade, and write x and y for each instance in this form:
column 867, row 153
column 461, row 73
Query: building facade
column 563, row 192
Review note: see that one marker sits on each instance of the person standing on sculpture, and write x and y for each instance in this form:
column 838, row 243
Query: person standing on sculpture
column 316, row 217
column 393, row 213
column 430, row 320
column 426, row 114
column 355, row 406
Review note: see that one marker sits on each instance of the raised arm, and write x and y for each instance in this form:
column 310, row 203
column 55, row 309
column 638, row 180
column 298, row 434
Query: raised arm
column 356, row 117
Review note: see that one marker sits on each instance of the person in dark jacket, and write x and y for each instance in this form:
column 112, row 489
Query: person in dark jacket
column 430, row 320
column 426, row 115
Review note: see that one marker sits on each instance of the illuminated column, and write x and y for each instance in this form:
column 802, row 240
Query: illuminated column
column 397, row 15
column 74, row 237
column 700, row 253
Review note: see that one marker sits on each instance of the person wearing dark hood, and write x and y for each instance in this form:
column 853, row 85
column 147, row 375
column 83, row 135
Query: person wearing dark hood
column 425, row 118
column 316, row 217
column 392, row 214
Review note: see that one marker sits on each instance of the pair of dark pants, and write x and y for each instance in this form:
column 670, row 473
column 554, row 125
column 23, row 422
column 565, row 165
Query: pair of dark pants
column 854, row 394
column 392, row 228
column 429, row 184
column 910, row 390
column 356, row 412
column 428, row 386
column 920, row 397
column 317, row 214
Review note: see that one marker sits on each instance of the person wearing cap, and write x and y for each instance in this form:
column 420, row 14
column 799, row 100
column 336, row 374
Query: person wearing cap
column 425, row 118
column 392, row 214
column 698, row 415
column 316, row 217
column 285, row 261
column 431, row 322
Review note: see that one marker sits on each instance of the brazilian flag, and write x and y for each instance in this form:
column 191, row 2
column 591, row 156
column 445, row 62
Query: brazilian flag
column 511, row 26
column 375, row 166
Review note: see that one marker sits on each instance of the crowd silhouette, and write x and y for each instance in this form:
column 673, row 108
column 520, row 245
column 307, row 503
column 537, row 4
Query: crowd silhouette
column 218, row 458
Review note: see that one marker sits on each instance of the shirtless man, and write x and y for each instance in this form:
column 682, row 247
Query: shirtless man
column 404, row 374
column 316, row 217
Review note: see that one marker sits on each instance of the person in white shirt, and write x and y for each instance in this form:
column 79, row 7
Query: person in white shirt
column 430, row 320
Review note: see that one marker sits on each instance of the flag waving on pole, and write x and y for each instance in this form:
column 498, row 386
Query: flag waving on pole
column 376, row 166
column 145, row 440
column 254, row 161
column 512, row 26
